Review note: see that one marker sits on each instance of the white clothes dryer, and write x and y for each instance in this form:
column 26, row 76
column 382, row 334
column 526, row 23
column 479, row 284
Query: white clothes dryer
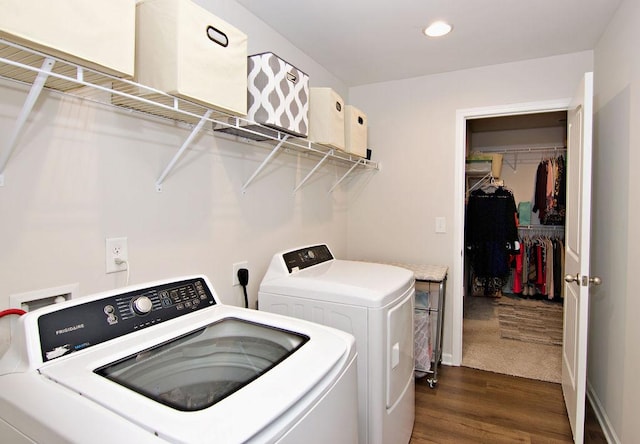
column 373, row 302
column 166, row 362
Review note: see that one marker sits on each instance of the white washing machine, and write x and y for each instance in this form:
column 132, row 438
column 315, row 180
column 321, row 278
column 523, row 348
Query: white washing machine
column 373, row 302
column 166, row 362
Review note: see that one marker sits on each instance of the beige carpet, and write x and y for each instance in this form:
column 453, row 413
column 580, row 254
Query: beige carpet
column 483, row 347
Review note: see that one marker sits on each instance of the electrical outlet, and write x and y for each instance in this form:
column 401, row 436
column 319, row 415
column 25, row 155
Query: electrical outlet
column 116, row 248
column 237, row 266
column 441, row 225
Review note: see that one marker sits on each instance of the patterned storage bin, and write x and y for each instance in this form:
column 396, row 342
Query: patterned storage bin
column 278, row 97
column 98, row 35
column 278, row 94
column 184, row 50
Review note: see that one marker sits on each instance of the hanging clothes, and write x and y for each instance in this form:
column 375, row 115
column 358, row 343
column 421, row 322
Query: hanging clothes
column 538, row 268
column 491, row 235
column 550, row 192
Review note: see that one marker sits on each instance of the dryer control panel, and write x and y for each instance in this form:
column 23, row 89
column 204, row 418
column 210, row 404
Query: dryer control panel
column 306, row 257
column 82, row 325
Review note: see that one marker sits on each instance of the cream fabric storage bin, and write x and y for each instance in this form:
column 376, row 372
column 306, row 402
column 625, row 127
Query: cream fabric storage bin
column 184, row 50
column 355, row 131
column 98, row 35
column 326, row 117
column 496, row 164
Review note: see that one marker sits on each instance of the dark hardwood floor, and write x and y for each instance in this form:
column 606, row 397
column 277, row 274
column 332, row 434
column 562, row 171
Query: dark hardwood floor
column 475, row 406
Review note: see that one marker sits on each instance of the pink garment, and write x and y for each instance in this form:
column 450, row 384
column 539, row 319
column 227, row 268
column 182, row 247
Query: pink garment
column 551, row 183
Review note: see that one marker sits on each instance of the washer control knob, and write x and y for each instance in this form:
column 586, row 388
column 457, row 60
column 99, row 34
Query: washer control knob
column 142, row 305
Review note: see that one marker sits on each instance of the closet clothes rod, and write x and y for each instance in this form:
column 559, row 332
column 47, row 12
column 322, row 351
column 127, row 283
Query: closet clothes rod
column 515, row 152
column 545, row 149
column 541, row 227
column 555, row 231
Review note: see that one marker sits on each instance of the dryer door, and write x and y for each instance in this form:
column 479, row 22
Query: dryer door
column 400, row 361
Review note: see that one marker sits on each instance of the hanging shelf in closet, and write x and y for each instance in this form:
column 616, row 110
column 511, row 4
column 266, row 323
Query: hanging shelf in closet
column 514, row 154
column 41, row 71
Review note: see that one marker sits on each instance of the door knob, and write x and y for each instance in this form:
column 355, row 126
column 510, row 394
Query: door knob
column 593, row 280
column 568, row 278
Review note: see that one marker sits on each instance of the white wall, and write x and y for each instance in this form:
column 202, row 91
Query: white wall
column 83, row 172
column 614, row 354
column 413, row 133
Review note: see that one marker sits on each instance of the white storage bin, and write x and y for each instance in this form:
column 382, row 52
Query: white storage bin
column 326, row 117
column 98, row 35
column 477, row 166
column 184, row 50
column 485, row 163
column 355, row 131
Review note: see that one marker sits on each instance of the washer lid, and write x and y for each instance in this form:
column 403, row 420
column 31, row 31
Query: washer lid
column 195, row 371
column 347, row 282
column 279, row 396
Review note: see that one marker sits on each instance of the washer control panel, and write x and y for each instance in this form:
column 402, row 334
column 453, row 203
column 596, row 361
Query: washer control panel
column 80, row 326
column 306, row 257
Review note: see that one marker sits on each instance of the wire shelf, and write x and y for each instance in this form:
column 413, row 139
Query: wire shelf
column 25, row 65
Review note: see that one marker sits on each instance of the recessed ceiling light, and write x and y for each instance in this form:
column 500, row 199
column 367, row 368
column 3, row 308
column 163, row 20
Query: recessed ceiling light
column 437, row 29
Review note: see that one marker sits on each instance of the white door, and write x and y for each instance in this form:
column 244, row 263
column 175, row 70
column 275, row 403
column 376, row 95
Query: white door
column 578, row 231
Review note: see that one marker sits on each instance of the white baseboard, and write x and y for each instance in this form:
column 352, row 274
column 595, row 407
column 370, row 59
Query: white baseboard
column 447, row 359
column 601, row 416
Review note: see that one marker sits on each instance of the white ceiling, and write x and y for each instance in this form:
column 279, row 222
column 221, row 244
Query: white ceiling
column 368, row 41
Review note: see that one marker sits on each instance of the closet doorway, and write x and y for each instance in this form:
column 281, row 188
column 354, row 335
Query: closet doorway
column 512, row 311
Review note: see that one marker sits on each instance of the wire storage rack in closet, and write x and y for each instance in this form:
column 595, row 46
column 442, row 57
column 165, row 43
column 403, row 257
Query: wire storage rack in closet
column 533, row 154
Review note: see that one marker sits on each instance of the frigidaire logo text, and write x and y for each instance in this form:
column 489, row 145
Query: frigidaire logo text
column 69, row 329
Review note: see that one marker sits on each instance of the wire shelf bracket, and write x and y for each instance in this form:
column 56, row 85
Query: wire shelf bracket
column 353, row 167
column 36, row 70
column 264, row 163
column 32, row 97
column 182, row 149
column 308, row 176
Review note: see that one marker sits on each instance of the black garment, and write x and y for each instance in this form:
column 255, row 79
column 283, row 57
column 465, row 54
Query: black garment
column 491, row 231
column 540, row 197
column 561, row 183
